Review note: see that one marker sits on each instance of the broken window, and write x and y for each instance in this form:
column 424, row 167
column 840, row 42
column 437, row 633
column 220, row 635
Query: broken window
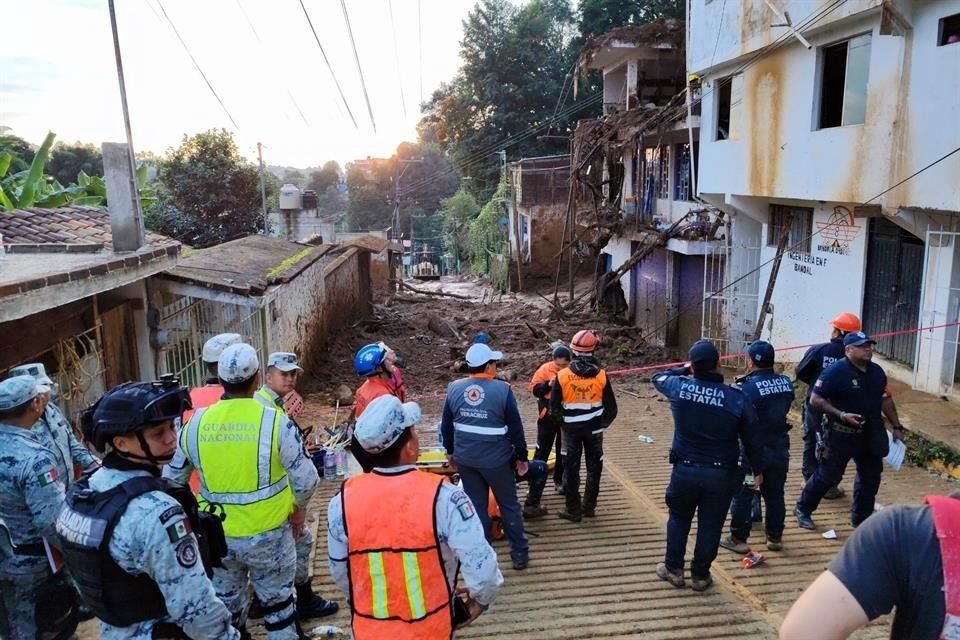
column 729, row 100
column 949, row 30
column 844, row 77
column 683, row 181
column 663, row 175
column 800, row 222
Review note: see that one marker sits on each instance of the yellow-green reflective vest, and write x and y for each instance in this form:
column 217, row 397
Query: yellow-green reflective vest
column 234, row 445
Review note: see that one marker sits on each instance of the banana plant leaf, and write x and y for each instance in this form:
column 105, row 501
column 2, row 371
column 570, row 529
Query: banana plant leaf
column 5, row 159
column 27, row 195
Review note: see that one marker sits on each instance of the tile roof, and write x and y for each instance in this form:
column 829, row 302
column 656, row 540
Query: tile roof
column 64, row 225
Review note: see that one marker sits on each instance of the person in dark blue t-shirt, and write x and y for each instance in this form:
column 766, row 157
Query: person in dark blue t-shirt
column 815, row 360
column 852, row 394
column 893, row 560
column 709, row 419
column 771, row 394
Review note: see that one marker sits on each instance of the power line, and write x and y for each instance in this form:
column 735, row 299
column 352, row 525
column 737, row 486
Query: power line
column 719, row 31
column 263, row 47
column 356, row 57
column 197, row 65
column 794, row 246
column 329, row 66
column 396, row 56
column 420, row 49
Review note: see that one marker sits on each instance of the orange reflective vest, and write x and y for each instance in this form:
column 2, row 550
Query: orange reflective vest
column 398, row 587
column 200, row 397
column 546, row 373
column 582, row 397
column 373, row 388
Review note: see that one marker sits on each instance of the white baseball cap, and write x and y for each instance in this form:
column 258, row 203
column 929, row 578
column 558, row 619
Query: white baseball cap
column 238, row 363
column 213, row 347
column 480, row 354
column 384, row 421
column 284, row 361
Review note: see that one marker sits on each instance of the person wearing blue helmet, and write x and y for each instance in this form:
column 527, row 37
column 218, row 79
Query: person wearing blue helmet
column 373, row 363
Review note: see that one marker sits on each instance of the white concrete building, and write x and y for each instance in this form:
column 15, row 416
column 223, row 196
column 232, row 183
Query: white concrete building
column 819, row 138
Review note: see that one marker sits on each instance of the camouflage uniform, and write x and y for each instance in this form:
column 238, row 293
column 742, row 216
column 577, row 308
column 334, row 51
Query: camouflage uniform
column 269, row 558
column 303, row 544
column 54, row 431
column 141, row 543
column 463, row 545
column 30, row 498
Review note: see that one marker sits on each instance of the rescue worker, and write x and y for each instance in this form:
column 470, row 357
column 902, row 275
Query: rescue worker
column 548, row 427
column 31, row 495
column 814, row 361
column 709, row 417
column 211, row 391
column 852, row 393
column 281, row 379
column 430, row 523
column 771, row 394
column 396, row 377
column 373, row 363
column 902, row 559
column 482, row 434
column 251, row 462
column 582, row 400
column 130, row 538
column 53, row 429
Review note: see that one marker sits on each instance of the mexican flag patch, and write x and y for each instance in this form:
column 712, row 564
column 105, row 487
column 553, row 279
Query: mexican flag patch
column 178, row 530
column 47, row 477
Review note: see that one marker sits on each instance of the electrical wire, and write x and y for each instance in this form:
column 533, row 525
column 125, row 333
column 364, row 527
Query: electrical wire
column 197, row 65
column 356, row 57
column 329, row 66
column 396, row 57
column 800, row 243
column 420, row 48
column 719, row 31
column 263, row 47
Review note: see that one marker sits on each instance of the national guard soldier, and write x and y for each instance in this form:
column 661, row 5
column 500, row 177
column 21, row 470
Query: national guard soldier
column 130, row 538
column 211, row 391
column 709, row 417
column 431, row 525
column 53, row 429
column 251, row 461
column 31, row 494
column 281, row 379
column 771, row 394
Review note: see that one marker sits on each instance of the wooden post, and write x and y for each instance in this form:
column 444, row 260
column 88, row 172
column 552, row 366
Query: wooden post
column 781, row 248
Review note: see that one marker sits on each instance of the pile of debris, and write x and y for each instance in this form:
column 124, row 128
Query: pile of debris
column 431, row 333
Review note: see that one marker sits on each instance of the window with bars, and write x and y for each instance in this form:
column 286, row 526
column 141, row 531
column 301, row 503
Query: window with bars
column 663, row 174
column 682, row 179
column 800, row 221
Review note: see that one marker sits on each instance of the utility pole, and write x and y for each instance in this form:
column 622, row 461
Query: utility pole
column 263, row 187
column 137, row 213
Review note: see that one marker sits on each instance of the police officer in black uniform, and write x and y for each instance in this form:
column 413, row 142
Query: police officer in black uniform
column 771, row 394
column 135, row 544
column 710, row 420
column 852, row 395
column 815, row 360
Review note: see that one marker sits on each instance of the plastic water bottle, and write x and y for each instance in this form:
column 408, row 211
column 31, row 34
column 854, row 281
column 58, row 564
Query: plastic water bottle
column 645, row 439
column 341, row 461
column 330, row 464
column 326, row 631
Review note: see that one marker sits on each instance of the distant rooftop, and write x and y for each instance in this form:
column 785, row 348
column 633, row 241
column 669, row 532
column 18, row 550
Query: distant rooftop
column 66, row 226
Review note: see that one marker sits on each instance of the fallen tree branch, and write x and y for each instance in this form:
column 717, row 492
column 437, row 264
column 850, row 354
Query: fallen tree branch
column 404, row 285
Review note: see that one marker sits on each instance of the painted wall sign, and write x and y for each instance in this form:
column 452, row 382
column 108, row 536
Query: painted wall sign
column 836, row 234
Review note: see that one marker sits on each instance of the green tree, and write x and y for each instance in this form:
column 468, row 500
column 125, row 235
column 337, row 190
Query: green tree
column 599, row 16
column 488, row 239
column 68, row 160
column 294, row 177
column 209, row 193
column 327, row 176
column 457, row 212
column 21, row 153
column 368, row 209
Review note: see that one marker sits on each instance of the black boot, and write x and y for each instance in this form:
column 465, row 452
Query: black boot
column 244, row 634
column 310, row 605
column 256, row 609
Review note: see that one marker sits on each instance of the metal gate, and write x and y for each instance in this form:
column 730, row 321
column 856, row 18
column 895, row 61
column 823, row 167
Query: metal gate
column 936, row 353
column 891, row 300
column 731, row 286
column 192, row 321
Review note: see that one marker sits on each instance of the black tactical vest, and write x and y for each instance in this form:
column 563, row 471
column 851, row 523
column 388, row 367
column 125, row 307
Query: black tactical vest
column 85, row 528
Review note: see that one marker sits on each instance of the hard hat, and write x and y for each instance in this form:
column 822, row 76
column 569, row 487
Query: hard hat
column 369, row 359
column 384, row 421
column 846, row 322
column 213, row 347
column 132, row 407
column 585, row 341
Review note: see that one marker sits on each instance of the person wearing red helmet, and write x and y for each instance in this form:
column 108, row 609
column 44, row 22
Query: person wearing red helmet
column 815, row 360
column 582, row 398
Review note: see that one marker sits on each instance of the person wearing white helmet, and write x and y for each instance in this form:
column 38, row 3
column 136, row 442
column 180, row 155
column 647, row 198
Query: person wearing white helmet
column 430, row 524
column 251, row 462
column 211, row 391
column 53, row 429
